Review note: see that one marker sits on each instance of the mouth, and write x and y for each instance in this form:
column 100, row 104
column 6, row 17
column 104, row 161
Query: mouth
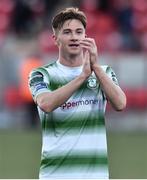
column 73, row 45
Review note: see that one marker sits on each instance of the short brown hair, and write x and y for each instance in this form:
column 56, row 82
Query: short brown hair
column 67, row 14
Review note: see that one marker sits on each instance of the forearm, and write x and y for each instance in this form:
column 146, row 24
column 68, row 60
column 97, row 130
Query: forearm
column 113, row 92
column 51, row 100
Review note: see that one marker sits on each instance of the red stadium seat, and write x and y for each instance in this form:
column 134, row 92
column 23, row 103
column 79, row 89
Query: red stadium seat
column 6, row 6
column 136, row 98
column 12, row 97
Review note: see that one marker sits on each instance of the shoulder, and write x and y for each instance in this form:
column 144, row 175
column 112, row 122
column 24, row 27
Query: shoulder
column 108, row 69
column 105, row 68
column 52, row 64
column 110, row 72
column 43, row 69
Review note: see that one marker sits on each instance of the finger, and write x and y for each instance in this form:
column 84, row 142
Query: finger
column 86, row 46
column 85, row 43
column 90, row 40
column 86, row 58
column 89, row 46
column 86, row 53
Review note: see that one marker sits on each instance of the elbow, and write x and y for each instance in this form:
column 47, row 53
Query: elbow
column 120, row 107
column 122, row 104
column 44, row 106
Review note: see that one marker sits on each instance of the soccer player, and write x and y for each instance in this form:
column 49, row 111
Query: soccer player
column 71, row 95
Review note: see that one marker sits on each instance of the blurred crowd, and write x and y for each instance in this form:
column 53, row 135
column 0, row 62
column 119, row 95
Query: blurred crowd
column 118, row 26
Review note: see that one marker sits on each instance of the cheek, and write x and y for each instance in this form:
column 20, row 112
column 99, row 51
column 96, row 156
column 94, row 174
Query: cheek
column 83, row 36
column 62, row 42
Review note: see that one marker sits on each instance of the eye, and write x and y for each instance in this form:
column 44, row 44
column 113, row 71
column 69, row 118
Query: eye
column 79, row 32
column 66, row 32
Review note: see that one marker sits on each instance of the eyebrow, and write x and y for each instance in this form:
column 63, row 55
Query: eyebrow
column 78, row 29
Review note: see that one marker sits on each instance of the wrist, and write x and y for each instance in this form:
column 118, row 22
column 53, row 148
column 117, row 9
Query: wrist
column 83, row 76
column 95, row 66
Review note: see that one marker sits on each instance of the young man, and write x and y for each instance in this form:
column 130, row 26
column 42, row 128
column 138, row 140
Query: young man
column 71, row 95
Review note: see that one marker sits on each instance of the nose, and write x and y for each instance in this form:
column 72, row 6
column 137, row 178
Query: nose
column 74, row 40
column 74, row 37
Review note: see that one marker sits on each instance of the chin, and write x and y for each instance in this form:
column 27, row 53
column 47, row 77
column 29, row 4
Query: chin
column 73, row 54
column 76, row 53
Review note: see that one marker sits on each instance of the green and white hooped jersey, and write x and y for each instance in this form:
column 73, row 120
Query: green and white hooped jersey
column 74, row 136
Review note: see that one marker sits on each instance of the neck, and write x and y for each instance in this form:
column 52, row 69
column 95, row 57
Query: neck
column 71, row 60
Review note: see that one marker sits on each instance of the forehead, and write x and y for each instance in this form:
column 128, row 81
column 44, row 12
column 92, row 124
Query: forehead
column 72, row 24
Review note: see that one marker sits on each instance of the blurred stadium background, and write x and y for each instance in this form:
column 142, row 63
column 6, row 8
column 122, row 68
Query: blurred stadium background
column 120, row 30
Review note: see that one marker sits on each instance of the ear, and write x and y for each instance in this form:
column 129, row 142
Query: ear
column 55, row 39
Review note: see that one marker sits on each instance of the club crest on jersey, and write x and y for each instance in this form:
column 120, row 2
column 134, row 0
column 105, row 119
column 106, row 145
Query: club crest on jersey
column 92, row 83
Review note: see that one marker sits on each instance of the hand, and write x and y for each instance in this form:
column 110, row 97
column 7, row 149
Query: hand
column 90, row 45
column 86, row 65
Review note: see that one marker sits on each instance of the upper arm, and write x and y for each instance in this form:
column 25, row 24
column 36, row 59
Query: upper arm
column 110, row 72
column 38, row 84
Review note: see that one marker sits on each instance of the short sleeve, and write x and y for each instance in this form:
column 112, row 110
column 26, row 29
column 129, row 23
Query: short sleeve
column 110, row 72
column 38, row 83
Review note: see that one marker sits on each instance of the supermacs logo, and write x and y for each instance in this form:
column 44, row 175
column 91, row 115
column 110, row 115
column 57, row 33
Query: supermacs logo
column 69, row 105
